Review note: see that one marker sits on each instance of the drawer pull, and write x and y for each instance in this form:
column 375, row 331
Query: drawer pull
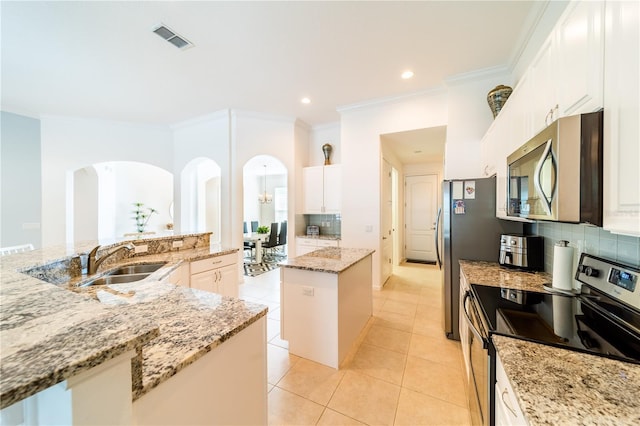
column 217, row 261
column 506, row 404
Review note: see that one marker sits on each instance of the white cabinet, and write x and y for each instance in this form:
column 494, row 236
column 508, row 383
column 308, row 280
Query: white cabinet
column 508, row 412
column 621, row 210
column 567, row 71
column 307, row 245
column 217, row 274
column 579, row 37
column 322, row 189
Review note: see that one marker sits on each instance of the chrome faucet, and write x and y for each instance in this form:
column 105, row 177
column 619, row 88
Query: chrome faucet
column 93, row 263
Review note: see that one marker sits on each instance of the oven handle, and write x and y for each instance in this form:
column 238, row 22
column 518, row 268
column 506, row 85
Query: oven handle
column 536, row 177
column 437, row 238
column 467, row 295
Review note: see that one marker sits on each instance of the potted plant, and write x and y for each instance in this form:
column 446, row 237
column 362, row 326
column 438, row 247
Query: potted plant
column 262, row 230
column 142, row 215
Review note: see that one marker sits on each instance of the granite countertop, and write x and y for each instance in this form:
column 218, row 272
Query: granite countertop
column 329, row 259
column 49, row 334
column 559, row 386
column 494, row 275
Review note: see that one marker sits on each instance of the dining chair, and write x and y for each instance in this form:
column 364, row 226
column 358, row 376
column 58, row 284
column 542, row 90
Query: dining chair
column 254, row 226
column 282, row 239
column 271, row 243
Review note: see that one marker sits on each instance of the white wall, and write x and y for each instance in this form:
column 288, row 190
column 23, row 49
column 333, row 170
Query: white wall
column 71, row 143
column 205, row 137
column 468, row 120
column 325, row 133
column 260, row 134
column 150, row 185
column 20, row 180
column 361, row 151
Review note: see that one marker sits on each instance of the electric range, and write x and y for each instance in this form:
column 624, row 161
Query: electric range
column 603, row 319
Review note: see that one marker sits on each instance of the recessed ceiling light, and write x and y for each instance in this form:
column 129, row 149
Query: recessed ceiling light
column 305, row 100
column 407, row 74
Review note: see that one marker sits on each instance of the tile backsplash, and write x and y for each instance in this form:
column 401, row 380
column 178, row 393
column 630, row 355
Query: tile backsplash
column 329, row 224
column 589, row 239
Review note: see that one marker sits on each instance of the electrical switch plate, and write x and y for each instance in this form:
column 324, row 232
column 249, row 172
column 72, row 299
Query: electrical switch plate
column 368, row 228
column 307, row 291
column 177, row 244
column 142, row 248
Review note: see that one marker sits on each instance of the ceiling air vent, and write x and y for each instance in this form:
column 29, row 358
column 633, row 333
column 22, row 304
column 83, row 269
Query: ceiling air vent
column 171, row 36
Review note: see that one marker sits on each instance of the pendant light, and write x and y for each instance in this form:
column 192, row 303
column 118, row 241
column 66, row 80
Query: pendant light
column 265, row 198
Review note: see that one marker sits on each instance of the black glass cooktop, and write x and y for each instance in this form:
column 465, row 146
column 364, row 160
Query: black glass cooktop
column 591, row 323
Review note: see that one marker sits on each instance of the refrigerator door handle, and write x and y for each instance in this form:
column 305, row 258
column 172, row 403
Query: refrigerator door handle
column 437, row 238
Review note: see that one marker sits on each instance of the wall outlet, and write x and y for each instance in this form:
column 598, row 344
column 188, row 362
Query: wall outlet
column 142, row 248
column 177, row 244
column 368, row 228
column 307, row 291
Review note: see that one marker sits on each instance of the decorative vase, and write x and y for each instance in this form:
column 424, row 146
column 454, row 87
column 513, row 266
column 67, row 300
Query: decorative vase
column 497, row 98
column 326, row 149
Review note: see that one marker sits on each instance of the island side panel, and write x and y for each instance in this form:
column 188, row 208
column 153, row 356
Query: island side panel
column 227, row 386
column 355, row 304
column 309, row 314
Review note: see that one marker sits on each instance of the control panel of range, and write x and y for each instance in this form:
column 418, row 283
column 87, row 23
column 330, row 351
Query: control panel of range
column 615, row 279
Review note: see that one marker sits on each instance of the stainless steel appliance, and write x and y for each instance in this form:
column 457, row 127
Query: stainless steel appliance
column 603, row 319
column 470, row 230
column 522, row 251
column 557, row 175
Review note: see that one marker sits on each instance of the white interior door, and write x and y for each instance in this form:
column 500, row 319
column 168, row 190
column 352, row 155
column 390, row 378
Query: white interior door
column 386, row 231
column 421, row 205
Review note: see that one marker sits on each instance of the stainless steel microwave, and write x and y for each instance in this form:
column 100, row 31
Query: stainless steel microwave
column 557, row 174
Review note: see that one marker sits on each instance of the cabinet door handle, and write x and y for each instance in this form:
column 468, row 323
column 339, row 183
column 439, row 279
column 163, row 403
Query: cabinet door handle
column 506, row 404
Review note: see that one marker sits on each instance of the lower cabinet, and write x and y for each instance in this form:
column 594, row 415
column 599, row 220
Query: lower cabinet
column 508, row 412
column 216, row 274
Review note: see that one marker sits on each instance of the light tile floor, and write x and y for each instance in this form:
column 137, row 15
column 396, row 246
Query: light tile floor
column 402, row 371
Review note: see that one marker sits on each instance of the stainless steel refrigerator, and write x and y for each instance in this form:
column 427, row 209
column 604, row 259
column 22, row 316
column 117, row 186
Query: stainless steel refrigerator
column 468, row 230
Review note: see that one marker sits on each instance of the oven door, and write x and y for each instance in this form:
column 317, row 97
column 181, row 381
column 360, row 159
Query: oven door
column 476, row 356
column 532, row 183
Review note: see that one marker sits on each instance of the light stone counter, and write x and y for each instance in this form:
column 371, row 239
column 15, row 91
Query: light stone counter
column 328, row 259
column 494, row 275
column 49, row 334
column 556, row 386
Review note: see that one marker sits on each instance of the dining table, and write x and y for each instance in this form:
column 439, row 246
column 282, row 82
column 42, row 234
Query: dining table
column 257, row 239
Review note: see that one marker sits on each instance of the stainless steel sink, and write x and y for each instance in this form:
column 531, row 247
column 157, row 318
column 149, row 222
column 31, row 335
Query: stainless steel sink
column 116, row 279
column 144, row 268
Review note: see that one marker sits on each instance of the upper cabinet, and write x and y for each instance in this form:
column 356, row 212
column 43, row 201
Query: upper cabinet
column 567, row 71
column 322, row 189
column 621, row 111
column 566, row 77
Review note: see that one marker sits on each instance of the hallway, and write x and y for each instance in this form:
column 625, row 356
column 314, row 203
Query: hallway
column 403, row 370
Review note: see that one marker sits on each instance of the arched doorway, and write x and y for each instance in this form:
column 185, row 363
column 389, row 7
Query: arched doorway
column 265, row 190
column 103, row 197
column 200, row 198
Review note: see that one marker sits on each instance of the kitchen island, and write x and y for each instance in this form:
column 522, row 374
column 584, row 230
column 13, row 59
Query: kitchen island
column 181, row 355
column 326, row 301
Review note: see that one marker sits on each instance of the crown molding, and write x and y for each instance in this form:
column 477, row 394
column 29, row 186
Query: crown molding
column 214, row 116
column 391, row 99
column 238, row 113
column 477, row 75
column 326, row 126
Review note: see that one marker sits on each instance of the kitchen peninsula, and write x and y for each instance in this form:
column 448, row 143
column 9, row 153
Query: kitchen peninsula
column 144, row 352
column 326, row 301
